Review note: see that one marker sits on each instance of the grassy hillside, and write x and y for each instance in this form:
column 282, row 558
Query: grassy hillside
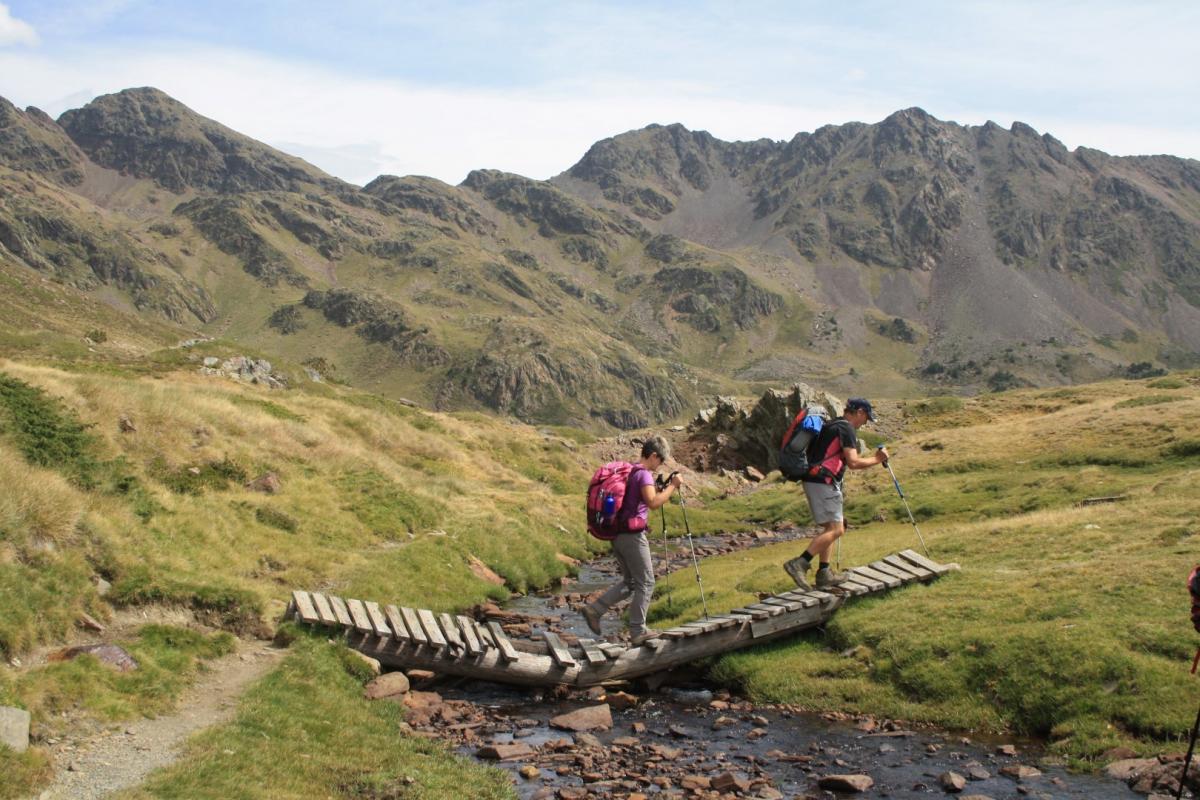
column 1067, row 621
column 377, row 500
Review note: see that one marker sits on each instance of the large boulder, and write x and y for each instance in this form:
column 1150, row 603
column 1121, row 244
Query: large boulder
column 14, row 728
column 739, row 438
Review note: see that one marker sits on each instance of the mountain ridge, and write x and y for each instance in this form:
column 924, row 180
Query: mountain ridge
column 666, row 264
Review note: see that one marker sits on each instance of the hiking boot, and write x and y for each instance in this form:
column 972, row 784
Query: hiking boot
column 797, row 568
column 592, row 618
column 644, row 637
column 827, row 578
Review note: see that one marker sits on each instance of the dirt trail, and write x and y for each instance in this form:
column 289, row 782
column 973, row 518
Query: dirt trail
column 98, row 764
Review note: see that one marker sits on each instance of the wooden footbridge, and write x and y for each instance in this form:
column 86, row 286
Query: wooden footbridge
column 459, row 645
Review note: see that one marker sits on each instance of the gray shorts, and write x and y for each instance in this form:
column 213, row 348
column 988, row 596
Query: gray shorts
column 825, row 500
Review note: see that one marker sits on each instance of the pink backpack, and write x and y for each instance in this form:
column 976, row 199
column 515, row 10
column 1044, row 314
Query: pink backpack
column 606, row 496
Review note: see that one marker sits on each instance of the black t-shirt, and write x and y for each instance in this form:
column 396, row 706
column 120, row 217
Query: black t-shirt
column 841, row 430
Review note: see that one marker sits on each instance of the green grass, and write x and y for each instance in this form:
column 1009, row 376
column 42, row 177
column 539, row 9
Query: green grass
column 1067, row 623
column 305, row 731
column 1148, row 400
column 167, row 656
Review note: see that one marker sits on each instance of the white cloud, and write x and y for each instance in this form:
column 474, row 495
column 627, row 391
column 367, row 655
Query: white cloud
column 14, row 31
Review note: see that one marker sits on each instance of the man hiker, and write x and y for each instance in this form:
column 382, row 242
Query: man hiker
column 833, row 450
column 632, row 549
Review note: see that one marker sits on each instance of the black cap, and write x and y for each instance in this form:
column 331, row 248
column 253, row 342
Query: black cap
column 861, row 403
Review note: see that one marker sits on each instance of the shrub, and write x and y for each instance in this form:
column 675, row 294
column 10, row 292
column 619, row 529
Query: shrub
column 1002, row 380
column 1143, row 369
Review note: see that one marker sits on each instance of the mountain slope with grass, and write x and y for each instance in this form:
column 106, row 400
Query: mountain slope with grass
column 131, row 488
column 666, row 265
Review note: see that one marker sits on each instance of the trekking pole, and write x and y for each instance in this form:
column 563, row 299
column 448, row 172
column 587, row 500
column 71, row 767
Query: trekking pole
column 692, row 545
column 904, row 500
column 1187, row 761
column 666, row 556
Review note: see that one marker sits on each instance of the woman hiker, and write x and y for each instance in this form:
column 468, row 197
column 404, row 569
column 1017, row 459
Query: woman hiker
column 632, row 550
column 835, row 449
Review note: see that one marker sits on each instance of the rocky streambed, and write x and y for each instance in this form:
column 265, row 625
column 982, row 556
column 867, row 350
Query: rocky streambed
column 688, row 740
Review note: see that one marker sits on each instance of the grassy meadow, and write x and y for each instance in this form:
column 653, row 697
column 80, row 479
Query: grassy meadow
column 1067, row 621
column 378, row 500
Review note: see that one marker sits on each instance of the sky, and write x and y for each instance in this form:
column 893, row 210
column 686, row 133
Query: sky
column 367, row 88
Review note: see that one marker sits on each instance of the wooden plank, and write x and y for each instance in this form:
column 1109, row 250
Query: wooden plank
column 593, row 654
column 340, row 611
column 378, row 620
column 558, row 651
column 902, row 574
column 358, row 613
column 786, row 605
column 799, row 597
column 723, row 621
column 451, row 632
column 675, row 633
column 922, row 561
column 467, row 626
column 304, row 607
column 321, row 602
column 854, row 587
column 890, row 581
column 774, row 611
column 865, row 580
column 610, row 650
column 751, row 612
column 901, row 563
column 399, row 628
column 507, row 651
column 486, row 639
column 696, row 628
column 823, row 597
column 414, row 625
column 429, row 623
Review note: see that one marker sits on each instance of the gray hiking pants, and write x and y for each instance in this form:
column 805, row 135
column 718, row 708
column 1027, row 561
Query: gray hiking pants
column 632, row 551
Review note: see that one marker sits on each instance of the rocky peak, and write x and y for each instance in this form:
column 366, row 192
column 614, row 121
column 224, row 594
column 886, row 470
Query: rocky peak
column 430, row 196
column 146, row 133
column 32, row 142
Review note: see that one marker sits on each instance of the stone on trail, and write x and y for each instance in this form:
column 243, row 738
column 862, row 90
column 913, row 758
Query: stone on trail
column 952, row 782
column 267, row 483
column 588, row 740
column 484, row 572
column 391, row 684
column 108, row 654
column 504, row 752
column 14, row 728
column 620, row 701
column 370, row 663
column 847, row 783
column 727, row 781
column 592, row 718
column 1128, row 769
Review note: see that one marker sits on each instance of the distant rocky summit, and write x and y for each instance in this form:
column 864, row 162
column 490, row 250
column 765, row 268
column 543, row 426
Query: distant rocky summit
column 665, row 267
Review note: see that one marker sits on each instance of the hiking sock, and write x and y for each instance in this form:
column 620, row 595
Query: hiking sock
column 824, row 565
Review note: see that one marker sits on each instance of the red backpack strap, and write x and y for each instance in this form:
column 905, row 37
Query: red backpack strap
column 791, row 431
